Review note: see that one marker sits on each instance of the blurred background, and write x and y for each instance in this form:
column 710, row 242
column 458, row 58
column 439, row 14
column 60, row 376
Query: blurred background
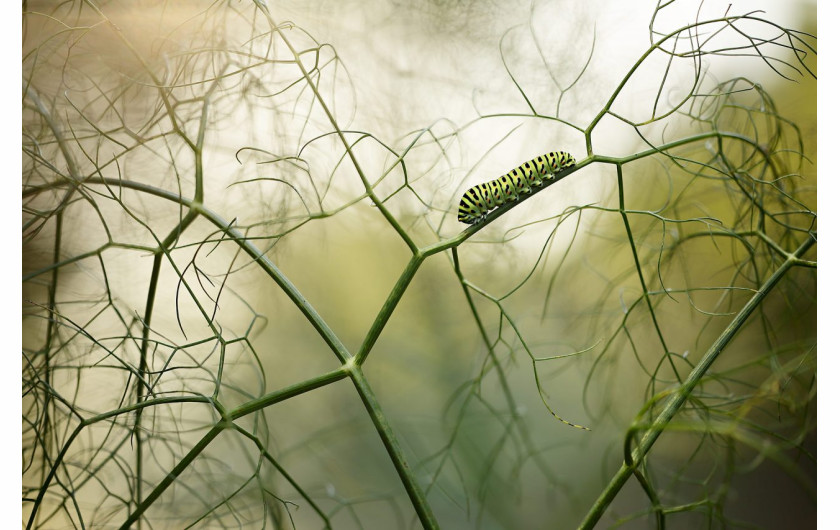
column 130, row 105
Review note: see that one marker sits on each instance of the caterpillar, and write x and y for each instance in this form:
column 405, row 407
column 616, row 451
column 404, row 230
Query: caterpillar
column 479, row 200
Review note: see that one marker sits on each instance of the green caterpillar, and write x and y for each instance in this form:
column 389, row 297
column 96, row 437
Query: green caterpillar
column 479, row 200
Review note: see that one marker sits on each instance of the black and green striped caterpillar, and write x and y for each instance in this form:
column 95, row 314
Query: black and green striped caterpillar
column 479, row 200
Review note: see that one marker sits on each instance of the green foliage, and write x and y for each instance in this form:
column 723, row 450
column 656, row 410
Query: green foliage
column 245, row 307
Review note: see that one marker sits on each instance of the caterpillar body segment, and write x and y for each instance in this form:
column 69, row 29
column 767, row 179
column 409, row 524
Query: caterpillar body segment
column 495, row 194
column 479, row 200
column 531, row 173
column 509, row 191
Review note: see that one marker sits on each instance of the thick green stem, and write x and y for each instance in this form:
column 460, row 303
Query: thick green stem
column 392, row 445
column 388, row 308
column 678, row 398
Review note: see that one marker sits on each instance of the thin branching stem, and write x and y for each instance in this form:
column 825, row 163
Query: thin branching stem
column 678, row 398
